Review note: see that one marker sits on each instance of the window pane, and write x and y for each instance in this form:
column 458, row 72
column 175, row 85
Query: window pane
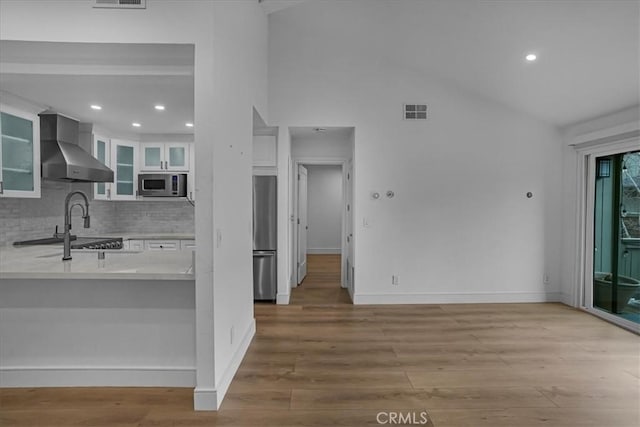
column 125, row 189
column 125, row 155
column 102, row 148
column 125, row 173
column 176, row 156
column 17, row 153
column 152, row 156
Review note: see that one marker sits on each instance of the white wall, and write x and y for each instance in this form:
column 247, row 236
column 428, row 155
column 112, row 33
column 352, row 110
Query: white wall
column 460, row 227
column 324, row 192
column 229, row 78
column 321, row 146
column 240, row 70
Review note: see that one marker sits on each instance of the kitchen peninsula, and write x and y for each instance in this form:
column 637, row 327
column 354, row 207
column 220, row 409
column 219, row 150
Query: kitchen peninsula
column 44, row 262
column 124, row 319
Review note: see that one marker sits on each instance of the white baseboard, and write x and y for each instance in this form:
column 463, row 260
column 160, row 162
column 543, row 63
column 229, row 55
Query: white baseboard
column 97, row 376
column 456, row 298
column 283, row 299
column 205, row 399
column 324, row 251
column 566, row 299
column 225, row 380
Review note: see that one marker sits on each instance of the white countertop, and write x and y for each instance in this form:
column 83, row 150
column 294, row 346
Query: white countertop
column 45, row 262
column 149, row 236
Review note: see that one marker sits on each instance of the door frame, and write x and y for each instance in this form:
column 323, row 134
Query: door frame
column 582, row 291
column 297, row 224
column 323, row 161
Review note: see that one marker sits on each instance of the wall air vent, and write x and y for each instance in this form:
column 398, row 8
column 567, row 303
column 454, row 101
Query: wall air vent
column 415, row 111
column 120, row 4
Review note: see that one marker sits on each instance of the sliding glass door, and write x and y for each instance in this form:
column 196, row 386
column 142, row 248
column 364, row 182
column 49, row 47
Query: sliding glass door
column 616, row 252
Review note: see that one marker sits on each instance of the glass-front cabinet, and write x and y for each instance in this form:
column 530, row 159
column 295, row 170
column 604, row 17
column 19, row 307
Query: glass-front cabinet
column 124, row 155
column 164, row 156
column 128, row 159
column 19, row 153
column 152, row 158
column 102, row 152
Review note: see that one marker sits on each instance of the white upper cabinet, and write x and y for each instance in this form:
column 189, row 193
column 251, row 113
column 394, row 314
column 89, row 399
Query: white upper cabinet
column 102, row 152
column 264, row 150
column 128, row 159
column 124, row 158
column 152, row 157
column 19, row 153
column 166, row 156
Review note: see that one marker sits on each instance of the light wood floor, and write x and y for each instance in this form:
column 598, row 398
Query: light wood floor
column 322, row 284
column 323, row 362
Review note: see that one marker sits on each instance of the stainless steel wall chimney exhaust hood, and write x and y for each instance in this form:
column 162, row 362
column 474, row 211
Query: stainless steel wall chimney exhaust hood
column 61, row 156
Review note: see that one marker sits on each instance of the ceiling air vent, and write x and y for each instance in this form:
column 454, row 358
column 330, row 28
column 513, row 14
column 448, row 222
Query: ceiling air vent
column 415, row 111
column 120, row 4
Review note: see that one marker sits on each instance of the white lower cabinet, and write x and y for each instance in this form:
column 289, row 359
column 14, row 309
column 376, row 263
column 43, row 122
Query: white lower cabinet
column 159, row 245
column 134, row 245
column 187, row 245
column 162, row 245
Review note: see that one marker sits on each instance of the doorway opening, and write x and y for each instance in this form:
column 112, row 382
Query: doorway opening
column 320, row 227
column 322, row 214
column 616, row 240
column 608, row 230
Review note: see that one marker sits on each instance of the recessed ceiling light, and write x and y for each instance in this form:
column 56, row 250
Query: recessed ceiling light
column 159, row 107
column 189, row 125
column 135, row 124
column 531, row 57
column 319, row 129
column 96, row 107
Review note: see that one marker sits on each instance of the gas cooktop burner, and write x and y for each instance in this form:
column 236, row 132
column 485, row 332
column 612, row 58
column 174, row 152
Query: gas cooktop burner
column 97, row 243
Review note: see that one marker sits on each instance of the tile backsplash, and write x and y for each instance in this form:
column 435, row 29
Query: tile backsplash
column 154, row 217
column 25, row 219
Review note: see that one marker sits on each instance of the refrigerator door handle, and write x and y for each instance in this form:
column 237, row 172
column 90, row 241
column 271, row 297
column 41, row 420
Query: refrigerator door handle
column 264, row 253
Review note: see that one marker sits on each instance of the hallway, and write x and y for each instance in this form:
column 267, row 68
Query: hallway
column 322, row 284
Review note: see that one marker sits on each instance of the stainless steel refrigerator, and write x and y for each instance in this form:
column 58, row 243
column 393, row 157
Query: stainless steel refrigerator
column 264, row 237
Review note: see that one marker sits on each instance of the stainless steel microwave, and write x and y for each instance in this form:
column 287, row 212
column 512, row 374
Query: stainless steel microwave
column 162, row 184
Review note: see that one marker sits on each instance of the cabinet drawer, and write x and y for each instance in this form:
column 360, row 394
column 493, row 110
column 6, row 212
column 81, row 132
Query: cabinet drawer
column 134, row 245
column 162, row 245
column 187, row 245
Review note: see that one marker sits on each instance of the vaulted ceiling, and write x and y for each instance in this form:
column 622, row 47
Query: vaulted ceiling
column 588, row 58
column 588, row 52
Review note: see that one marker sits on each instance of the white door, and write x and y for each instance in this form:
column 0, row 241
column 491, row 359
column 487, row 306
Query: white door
column 303, row 226
column 349, row 229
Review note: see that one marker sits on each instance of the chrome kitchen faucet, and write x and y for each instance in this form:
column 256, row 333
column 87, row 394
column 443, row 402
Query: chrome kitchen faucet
column 67, row 220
